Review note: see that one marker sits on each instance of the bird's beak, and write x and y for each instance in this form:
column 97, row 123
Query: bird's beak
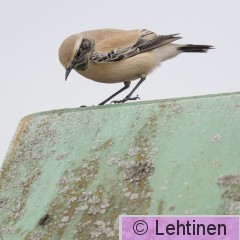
column 68, row 70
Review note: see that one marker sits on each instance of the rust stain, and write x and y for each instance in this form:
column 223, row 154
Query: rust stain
column 105, row 145
column 26, row 185
column 13, row 147
column 98, row 226
column 163, row 105
column 71, row 195
column 142, row 142
column 172, row 208
column 160, row 207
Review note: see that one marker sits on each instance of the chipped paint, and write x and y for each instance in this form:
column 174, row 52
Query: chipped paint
column 216, row 138
column 75, row 171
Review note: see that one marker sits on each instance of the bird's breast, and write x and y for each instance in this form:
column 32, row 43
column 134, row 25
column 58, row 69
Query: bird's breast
column 125, row 70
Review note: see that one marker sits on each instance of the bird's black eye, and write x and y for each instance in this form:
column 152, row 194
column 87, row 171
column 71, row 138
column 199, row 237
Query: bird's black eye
column 86, row 45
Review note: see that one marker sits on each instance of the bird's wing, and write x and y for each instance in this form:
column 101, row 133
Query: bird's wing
column 147, row 41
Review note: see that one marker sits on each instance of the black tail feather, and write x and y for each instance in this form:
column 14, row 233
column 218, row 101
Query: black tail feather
column 195, row 48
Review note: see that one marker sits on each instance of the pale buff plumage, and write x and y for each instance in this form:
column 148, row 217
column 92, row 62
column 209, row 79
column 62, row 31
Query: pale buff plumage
column 128, row 67
column 108, row 39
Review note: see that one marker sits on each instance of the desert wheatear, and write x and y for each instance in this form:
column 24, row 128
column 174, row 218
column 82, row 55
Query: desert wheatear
column 113, row 55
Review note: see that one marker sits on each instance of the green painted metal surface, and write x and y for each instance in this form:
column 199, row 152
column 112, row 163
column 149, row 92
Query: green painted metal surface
column 70, row 173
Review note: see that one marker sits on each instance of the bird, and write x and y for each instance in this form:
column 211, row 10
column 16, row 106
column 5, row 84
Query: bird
column 115, row 55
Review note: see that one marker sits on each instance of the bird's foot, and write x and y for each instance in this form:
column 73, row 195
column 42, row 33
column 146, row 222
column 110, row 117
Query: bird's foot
column 126, row 99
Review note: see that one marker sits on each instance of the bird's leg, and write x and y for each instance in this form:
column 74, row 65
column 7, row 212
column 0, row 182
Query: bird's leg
column 126, row 86
column 128, row 97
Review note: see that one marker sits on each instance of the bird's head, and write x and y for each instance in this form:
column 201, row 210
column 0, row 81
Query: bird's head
column 72, row 53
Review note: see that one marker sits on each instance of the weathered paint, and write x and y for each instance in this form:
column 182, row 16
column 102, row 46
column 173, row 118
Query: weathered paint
column 70, row 173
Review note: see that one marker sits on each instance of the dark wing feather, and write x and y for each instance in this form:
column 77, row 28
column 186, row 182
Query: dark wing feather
column 148, row 41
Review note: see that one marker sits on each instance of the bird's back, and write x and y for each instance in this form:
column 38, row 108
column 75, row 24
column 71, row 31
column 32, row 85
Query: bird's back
column 108, row 39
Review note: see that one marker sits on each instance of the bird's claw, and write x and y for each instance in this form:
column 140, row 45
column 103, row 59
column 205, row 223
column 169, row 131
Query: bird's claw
column 126, row 99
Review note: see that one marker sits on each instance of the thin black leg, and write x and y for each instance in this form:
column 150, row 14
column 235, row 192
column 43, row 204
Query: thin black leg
column 126, row 86
column 128, row 97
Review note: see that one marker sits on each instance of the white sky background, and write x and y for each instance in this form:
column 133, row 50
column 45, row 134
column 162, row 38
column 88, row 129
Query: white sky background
column 32, row 78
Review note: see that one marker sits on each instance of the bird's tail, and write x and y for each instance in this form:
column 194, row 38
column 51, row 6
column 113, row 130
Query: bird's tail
column 195, row 48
